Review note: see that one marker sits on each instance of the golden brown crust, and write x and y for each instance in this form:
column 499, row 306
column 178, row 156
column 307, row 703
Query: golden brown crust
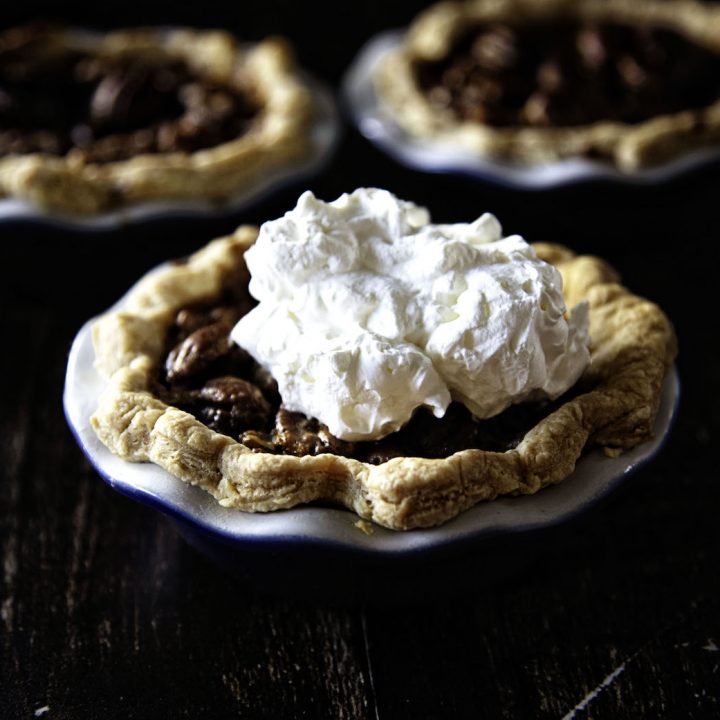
column 633, row 348
column 628, row 146
column 279, row 134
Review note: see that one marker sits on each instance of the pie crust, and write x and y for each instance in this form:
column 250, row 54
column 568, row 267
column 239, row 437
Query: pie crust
column 630, row 146
column 279, row 133
column 633, row 347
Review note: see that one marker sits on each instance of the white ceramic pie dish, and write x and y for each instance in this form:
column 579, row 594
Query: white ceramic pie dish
column 437, row 157
column 324, row 137
column 337, row 529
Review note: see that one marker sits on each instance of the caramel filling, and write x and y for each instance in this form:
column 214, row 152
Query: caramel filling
column 207, row 375
column 97, row 109
column 570, row 74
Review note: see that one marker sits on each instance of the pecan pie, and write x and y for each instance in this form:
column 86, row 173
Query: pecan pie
column 539, row 80
column 90, row 122
column 181, row 395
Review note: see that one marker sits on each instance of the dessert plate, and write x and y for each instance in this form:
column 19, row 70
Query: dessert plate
column 438, row 157
column 324, row 138
column 302, row 528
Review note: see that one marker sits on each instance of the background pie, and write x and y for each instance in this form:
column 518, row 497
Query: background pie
column 536, row 81
column 90, row 121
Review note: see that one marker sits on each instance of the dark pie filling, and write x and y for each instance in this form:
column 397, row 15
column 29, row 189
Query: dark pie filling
column 57, row 100
column 570, row 73
column 207, row 375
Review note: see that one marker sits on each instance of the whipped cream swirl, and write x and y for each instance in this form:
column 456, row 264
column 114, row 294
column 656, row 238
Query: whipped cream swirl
column 368, row 311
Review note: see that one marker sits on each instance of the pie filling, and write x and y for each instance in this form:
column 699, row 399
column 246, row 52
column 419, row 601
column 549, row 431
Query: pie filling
column 62, row 101
column 218, row 382
column 570, row 73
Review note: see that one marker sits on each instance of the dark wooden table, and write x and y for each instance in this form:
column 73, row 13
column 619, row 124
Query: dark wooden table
column 105, row 611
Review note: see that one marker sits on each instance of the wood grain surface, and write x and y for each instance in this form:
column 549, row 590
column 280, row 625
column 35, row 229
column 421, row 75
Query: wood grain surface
column 107, row 612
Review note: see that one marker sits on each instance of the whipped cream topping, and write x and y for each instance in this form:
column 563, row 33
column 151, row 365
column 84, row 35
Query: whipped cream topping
column 368, row 311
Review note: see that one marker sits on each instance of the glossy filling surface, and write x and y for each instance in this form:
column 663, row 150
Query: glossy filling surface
column 62, row 102
column 569, row 74
column 207, row 375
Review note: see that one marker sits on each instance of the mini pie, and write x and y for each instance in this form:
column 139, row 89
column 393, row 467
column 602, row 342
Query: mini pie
column 172, row 376
column 90, row 122
column 634, row 83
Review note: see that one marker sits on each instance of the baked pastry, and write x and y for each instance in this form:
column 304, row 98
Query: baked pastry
column 180, row 394
column 534, row 81
column 90, row 122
